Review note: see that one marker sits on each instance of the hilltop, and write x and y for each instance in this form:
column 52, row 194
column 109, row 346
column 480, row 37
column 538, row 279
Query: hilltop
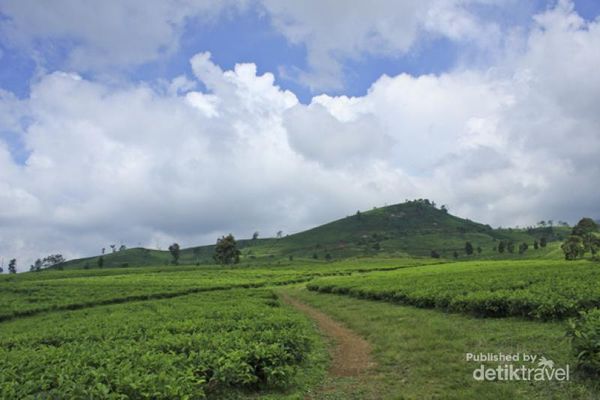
column 413, row 228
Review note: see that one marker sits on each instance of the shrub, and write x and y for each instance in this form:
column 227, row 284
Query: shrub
column 585, row 341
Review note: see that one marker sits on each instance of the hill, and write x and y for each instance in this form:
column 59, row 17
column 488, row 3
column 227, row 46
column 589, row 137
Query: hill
column 413, row 228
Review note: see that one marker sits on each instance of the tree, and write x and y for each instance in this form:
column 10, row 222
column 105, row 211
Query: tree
column 113, row 247
column 103, row 250
column 479, row 249
column 226, row 251
column 315, row 256
column 582, row 239
column 174, row 250
column 291, row 257
column 328, row 257
column 535, row 245
column 455, row 254
column 435, row 254
column 255, row 235
column 122, row 248
column 468, row 248
column 501, row 247
column 53, row 260
column 573, row 247
column 444, row 208
column 279, row 234
column 510, row 247
column 584, row 227
column 12, row 266
column 37, row 265
column 543, row 242
column 100, row 262
column 523, row 248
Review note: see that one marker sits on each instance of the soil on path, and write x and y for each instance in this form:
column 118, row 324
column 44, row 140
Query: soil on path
column 351, row 355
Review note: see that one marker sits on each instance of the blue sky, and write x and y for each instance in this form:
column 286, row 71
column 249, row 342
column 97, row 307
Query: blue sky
column 130, row 122
column 249, row 36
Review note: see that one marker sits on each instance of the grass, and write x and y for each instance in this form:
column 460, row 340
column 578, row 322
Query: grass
column 421, row 353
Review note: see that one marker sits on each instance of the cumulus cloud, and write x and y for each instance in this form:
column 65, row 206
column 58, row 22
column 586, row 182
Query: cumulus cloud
column 150, row 164
column 333, row 31
column 95, row 35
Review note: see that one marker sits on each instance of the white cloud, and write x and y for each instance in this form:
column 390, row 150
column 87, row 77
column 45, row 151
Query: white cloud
column 148, row 165
column 334, row 31
column 96, row 35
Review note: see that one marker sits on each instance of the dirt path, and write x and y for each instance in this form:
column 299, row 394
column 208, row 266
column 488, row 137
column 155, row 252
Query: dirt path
column 351, row 356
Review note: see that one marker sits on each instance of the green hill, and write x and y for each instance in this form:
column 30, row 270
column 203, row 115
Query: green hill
column 414, row 228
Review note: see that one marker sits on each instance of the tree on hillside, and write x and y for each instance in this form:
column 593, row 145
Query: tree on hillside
column 444, row 208
column 101, row 262
column 584, row 227
column 582, row 239
column 103, row 250
column 255, row 235
column 279, row 234
column 435, row 254
column 113, row 247
column 36, row 266
column 226, row 251
column 510, row 247
column 12, row 266
column 174, row 250
column 53, row 260
column 328, row 257
column 523, row 248
column 468, row 248
column 455, row 254
column 479, row 249
column 543, row 242
column 535, row 245
column 501, row 246
column 573, row 247
column 122, row 247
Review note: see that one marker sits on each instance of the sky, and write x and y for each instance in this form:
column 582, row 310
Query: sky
column 148, row 122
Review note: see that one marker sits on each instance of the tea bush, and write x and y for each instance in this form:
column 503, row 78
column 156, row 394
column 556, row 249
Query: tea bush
column 196, row 346
column 537, row 289
column 585, row 341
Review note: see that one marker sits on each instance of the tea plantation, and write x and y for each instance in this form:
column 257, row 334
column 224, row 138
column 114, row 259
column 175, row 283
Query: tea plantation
column 539, row 289
column 195, row 346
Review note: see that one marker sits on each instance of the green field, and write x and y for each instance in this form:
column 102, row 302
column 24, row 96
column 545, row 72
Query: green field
column 194, row 346
column 142, row 327
column 540, row 289
column 28, row 294
column 220, row 332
